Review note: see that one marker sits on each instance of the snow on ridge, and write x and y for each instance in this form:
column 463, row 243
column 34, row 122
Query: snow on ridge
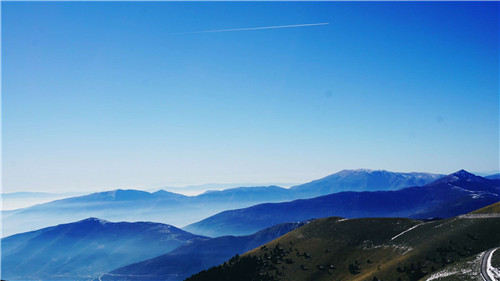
column 411, row 228
column 462, row 189
column 101, row 221
column 365, row 170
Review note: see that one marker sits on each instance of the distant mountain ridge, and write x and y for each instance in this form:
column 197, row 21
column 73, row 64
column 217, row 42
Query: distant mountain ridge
column 455, row 194
column 193, row 190
column 163, row 206
column 493, row 177
column 18, row 200
column 83, row 249
column 364, row 180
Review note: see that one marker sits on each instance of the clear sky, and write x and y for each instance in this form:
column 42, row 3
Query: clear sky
column 105, row 95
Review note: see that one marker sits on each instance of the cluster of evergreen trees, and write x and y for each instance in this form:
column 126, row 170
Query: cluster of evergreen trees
column 246, row 268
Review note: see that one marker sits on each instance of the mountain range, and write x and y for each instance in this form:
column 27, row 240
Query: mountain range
column 102, row 250
column 163, row 206
column 85, row 249
column 455, row 194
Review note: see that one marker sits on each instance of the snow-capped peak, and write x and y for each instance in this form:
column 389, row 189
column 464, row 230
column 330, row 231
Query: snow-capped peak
column 92, row 219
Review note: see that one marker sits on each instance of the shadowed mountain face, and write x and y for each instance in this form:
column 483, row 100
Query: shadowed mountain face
column 83, row 250
column 449, row 196
column 198, row 255
column 163, row 206
column 365, row 249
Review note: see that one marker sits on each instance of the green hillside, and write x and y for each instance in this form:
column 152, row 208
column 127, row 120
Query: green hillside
column 366, row 249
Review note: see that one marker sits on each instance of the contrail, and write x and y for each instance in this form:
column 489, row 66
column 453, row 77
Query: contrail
column 258, row 28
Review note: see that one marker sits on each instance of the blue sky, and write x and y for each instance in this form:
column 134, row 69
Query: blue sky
column 103, row 95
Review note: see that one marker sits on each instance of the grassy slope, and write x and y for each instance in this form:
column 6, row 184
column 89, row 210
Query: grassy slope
column 433, row 245
column 469, row 268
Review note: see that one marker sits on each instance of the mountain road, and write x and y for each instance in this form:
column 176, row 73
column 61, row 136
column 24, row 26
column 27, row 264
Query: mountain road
column 484, row 265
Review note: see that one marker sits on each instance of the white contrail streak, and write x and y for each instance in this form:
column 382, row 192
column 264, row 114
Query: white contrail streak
column 259, row 28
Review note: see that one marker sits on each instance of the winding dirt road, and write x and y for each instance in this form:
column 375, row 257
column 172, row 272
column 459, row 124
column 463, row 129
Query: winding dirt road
column 484, row 265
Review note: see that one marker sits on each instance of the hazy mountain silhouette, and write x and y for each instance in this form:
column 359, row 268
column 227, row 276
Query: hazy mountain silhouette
column 83, row 249
column 493, row 177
